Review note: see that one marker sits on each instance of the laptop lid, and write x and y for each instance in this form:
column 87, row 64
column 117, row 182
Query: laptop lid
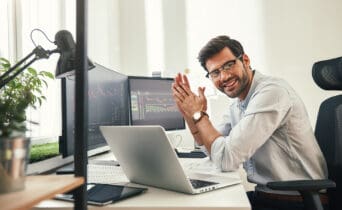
column 147, row 157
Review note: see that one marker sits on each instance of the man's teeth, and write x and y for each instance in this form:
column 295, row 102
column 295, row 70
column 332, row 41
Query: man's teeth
column 230, row 83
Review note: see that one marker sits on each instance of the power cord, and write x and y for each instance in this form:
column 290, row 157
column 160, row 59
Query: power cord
column 39, row 30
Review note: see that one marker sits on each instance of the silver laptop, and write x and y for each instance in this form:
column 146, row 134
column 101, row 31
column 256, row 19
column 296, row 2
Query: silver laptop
column 147, row 157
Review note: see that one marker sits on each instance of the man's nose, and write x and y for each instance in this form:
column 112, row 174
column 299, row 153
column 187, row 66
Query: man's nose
column 224, row 75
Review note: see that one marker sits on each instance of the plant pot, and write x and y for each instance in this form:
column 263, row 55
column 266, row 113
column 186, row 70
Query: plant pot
column 13, row 162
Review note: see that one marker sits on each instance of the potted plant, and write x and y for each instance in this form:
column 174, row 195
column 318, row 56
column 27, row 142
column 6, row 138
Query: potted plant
column 23, row 91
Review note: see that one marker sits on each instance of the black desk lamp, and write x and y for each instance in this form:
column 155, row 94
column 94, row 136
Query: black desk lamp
column 65, row 66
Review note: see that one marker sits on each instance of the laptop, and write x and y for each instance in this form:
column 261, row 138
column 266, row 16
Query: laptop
column 147, row 157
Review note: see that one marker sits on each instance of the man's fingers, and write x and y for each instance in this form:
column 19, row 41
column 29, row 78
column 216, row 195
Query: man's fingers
column 201, row 91
column 182, row 90
column 178, row 79
column 186, row 89
column 176, row 95
column 186, row 81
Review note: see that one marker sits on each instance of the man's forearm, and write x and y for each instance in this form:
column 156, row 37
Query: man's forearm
column 203, row 132
column 207, row 132
column 194, row 131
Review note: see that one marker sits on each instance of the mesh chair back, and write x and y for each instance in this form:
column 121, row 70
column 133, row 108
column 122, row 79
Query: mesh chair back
column 328, row 75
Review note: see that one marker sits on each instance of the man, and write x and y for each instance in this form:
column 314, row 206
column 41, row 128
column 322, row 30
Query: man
column 266, row 128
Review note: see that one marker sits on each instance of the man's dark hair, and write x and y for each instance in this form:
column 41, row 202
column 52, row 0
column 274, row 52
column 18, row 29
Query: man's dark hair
column 215, row 45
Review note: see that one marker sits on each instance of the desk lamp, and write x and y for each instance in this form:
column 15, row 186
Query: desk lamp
column 66, row 63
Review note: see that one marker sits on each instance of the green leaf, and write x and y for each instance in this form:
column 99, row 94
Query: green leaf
column 32, row 71
column 46, row 84
column 4, row 60
column 47, row 74
column 40, row 101
column 6, row 65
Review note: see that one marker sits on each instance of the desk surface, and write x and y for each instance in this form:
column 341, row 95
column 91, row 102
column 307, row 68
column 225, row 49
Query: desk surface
column 38, row 188
column 233, row 197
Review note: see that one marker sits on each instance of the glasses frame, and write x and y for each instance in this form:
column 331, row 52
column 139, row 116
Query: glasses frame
column 225, row 67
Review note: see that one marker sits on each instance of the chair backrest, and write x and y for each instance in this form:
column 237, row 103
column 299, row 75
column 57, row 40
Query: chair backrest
column 328, row 75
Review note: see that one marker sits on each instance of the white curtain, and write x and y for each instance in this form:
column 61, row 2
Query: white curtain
column 8, row 28
column 18, row 18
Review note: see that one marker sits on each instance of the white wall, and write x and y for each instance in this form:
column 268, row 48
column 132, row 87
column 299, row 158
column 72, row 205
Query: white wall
column 297, row 34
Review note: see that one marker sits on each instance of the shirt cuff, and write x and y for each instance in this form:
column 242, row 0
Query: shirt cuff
column 202, row 148
column 217, row 148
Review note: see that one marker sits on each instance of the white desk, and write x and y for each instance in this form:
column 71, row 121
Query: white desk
column 233, row 197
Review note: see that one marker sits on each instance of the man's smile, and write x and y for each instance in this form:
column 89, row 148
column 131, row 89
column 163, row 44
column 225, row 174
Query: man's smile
column 230, row 84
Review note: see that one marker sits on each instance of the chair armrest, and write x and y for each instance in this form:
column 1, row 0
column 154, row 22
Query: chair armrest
column 302, row 185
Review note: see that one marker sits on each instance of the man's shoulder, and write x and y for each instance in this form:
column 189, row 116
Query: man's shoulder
column 272, row 90
column 271, row 83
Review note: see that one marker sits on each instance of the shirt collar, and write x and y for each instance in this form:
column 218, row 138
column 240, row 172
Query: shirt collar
column 256, row 78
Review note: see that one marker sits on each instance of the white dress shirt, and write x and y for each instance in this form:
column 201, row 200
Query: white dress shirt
column 270, row 133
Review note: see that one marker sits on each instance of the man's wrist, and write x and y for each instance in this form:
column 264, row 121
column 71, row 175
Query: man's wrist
column 198, row 116
column 195, row 132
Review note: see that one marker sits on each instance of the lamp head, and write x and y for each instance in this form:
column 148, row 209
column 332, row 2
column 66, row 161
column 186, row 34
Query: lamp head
column 67, row 49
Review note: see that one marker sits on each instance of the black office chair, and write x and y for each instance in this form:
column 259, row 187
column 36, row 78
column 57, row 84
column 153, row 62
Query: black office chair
column 327, row 75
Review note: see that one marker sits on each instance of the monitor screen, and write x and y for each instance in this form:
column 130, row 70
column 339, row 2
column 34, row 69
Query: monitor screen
column 151, row 103
column 108, row 96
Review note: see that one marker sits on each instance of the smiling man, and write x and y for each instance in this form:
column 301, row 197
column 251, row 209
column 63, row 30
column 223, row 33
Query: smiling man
column 266, row 128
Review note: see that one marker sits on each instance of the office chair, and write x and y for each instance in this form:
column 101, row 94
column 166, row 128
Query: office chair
column 328, row 131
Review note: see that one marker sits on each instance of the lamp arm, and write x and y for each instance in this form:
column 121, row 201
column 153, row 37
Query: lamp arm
column 10, row 70
column 4, row 81
column 39, row 53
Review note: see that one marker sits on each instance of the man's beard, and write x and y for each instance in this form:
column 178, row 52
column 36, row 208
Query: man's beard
column 242, row 82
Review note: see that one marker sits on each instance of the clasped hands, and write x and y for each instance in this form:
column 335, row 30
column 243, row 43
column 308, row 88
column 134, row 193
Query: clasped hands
column 188, row 102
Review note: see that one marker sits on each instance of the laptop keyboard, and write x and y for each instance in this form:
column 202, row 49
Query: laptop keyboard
column 200, row 183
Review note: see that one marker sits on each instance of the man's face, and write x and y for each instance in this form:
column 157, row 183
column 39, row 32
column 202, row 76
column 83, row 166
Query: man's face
column 235, row 81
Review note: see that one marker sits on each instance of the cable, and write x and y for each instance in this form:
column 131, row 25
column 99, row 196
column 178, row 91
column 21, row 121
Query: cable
column 37, row 29
column 176, row 140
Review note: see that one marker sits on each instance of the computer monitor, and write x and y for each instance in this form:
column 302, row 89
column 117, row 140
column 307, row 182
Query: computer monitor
column 151, row 103
column 108, row 96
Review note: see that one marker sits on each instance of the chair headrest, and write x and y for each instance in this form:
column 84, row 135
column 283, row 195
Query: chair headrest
column 328, row 74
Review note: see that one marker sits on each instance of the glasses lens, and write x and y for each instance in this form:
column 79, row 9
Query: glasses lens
column 228, row 66
column 215, row 74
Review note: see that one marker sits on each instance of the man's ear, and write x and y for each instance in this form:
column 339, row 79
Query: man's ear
column 245, row 60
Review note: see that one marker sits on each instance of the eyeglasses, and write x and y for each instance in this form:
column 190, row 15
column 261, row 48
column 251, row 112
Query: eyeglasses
column 215, row 74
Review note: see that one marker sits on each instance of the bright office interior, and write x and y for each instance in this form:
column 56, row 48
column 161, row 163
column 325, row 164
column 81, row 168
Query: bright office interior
column 137, row 37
